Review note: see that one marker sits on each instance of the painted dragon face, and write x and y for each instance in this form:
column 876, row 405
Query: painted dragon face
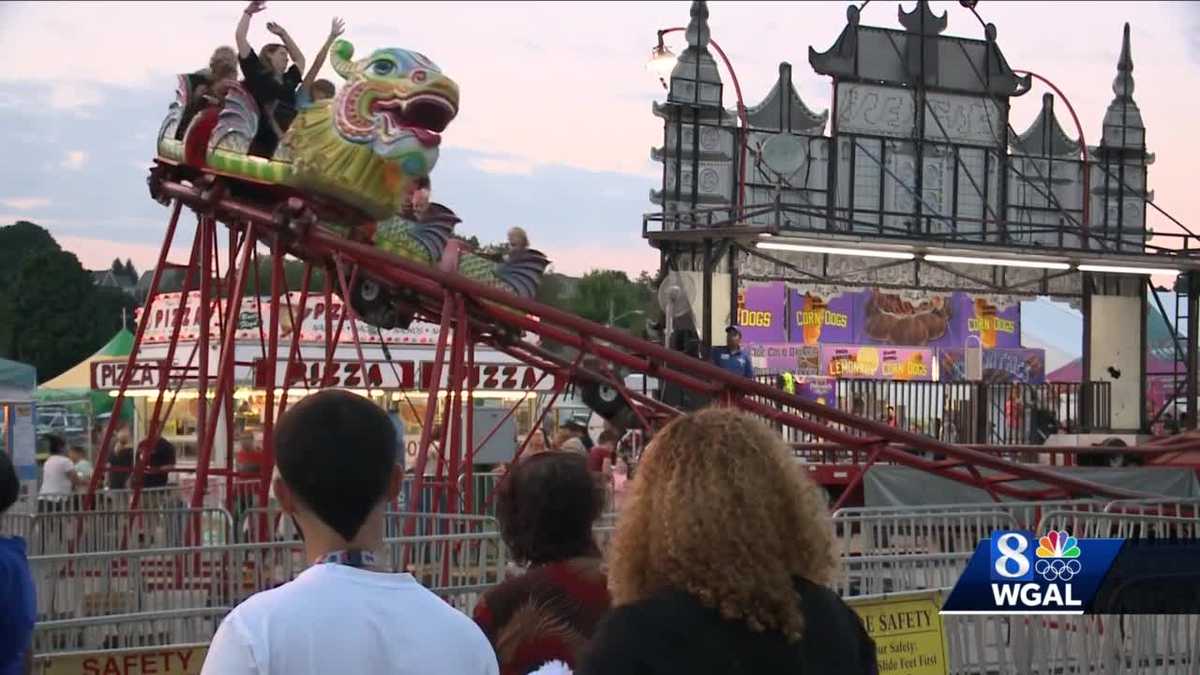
column 395, row 101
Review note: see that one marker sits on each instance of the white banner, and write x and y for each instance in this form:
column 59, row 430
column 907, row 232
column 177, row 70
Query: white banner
column 400, row 374
column 255, row 317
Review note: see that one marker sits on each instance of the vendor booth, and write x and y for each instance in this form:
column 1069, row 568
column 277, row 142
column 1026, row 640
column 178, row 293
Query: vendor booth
column 393, row 368
column 18, row 382
column 68, row 405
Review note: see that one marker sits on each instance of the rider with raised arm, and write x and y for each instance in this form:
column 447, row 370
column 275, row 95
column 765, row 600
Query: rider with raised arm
column 312, row 89
column 269, row 79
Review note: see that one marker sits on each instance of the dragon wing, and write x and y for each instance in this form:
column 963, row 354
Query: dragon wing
column 522, row 271
column 170, row 125
column 425, row 239
column 237, row 123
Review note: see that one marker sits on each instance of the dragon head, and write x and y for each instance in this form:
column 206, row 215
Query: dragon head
column 395, row 101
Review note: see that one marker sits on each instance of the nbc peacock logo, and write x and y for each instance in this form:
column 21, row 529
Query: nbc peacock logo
column 1057, row 556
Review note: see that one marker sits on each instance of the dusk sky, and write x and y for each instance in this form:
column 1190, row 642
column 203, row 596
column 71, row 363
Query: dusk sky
column 555, row 129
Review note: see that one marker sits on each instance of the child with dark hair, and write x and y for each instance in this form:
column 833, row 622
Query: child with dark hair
column 546, row 506
column 337, row 459
column 19, row 609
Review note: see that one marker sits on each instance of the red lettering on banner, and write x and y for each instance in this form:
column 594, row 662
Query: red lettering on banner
column 489, row 380
column 132, row 663
column 352, row 379
column 530, row 380
column 510, row 380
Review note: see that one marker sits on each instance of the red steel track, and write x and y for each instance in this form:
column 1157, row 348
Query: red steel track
column 471, row 313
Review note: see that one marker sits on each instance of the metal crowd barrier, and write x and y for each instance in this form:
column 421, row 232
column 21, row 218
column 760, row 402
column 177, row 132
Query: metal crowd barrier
column 902, row 534
column 17, row 525
column 1102, row 645
column 271, row 524
column 170, row 596
column 1027, row 514
column 878, row 574
column 78, row 593
column 116, row 530
column 174, row 628
column 1120, row 525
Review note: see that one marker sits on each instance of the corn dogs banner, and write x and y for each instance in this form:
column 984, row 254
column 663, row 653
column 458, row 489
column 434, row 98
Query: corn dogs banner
column 773, row 313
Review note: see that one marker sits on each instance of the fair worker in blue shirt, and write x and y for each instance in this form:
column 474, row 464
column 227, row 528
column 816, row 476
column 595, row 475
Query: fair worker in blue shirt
column 731, row 357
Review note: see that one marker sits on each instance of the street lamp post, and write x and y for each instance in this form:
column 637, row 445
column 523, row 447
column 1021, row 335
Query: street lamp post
column 662, row 62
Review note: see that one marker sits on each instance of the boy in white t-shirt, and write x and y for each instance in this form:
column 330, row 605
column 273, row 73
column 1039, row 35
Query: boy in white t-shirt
column 336, row 455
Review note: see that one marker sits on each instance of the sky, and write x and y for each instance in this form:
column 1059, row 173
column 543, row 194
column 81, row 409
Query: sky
column 555, row 128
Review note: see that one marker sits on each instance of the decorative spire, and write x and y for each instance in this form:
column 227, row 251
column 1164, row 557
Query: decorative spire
column 922, row 20
column 1045, row 137
column 1123, row 126
column 697, row 30
column 695, row 79
column 1123, row 82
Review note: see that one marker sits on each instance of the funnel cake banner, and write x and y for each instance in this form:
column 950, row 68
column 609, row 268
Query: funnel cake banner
column 769, row 313
column 1026, row 366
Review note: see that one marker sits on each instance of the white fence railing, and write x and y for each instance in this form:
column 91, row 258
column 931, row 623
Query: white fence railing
column 89, row 598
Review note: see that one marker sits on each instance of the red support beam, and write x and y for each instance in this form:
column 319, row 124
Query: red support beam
column 494, row 307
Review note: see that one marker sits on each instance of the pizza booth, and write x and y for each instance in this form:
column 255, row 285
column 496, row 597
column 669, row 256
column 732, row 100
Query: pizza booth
column 394, row 370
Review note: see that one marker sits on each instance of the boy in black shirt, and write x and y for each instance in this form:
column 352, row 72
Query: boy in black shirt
column 270, row 80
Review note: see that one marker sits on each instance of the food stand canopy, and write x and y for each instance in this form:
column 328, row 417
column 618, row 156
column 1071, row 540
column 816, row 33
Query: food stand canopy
column 76, row 383
column 17, row 381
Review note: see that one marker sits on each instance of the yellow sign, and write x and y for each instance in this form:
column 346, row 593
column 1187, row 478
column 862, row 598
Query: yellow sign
column 153, row 661
column 907, row 629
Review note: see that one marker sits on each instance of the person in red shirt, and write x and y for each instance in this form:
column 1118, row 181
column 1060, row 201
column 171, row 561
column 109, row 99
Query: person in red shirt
column 546, row 507
column 601, row 456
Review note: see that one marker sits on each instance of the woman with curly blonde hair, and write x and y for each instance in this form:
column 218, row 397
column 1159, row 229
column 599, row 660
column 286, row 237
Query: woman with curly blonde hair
column 718, row 561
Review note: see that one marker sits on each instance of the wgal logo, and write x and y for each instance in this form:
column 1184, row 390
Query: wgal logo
column 1058, row 557
column 1055, row 560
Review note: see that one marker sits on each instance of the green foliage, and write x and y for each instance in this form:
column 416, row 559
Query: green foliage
column 610, row 297
column 258, row 281
column 17, row 241
column 51, row 314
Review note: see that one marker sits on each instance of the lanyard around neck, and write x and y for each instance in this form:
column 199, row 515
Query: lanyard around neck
column 357, row 559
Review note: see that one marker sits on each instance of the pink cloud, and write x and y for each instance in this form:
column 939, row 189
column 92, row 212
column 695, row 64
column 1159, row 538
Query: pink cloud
column 579, row 260
column 96, row 254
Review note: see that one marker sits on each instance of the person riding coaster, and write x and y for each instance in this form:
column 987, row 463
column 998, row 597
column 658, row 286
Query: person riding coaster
column 358, row 160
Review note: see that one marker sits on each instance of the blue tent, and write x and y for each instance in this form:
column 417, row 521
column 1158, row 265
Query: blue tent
column 17, row 381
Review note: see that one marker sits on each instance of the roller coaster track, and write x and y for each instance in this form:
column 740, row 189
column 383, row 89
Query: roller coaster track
column 469, row 313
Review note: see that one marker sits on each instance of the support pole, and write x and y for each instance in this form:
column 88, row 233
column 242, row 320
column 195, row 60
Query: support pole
column 1193, row 342
column 225, row 369
column 278, row 288
column 203, row 439
column 168, row 364
column 119, row 401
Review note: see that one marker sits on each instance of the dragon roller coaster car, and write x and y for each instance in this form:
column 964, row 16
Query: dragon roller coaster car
column 355, row 161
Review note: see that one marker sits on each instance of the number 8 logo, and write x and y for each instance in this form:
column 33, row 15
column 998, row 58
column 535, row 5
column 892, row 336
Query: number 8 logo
column 1010, row 555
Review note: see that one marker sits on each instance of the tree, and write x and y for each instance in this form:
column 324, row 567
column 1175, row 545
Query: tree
column 131, row 271
column 18, row 240
column 52, row 302
column 51, row 314
column 608, row 296
column 118, row 268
